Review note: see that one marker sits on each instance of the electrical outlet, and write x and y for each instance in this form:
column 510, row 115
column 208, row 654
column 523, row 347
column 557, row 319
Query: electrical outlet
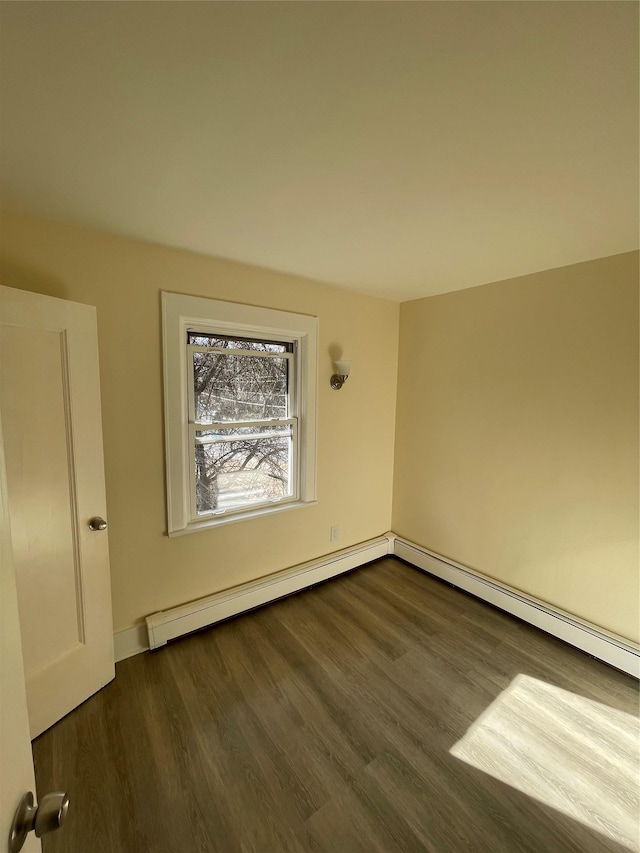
column 335, row 532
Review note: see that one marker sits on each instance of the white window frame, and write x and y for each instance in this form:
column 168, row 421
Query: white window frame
column 182, row 313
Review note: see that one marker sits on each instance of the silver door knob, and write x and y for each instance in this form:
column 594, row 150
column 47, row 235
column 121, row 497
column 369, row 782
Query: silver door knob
column 43, row 818
column 97, row 523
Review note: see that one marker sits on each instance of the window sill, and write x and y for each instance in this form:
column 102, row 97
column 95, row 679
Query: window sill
column 219, row 521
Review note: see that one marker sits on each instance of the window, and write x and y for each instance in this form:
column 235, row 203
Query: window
column 242, row 421
column 240, row 385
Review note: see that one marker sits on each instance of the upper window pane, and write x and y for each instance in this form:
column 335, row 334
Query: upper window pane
column 239, row 387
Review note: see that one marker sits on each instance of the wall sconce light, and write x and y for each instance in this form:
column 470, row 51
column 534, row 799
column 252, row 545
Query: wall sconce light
column 343, row 369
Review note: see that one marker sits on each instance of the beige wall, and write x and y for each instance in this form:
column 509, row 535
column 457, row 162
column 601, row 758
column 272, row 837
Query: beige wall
column 123, row 278
column 517, row 434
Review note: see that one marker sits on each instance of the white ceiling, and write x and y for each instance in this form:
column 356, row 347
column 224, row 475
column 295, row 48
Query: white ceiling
column 399, row 149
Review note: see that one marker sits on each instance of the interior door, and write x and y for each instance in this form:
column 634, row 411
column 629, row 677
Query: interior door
column 50, row 408
column 15, row 748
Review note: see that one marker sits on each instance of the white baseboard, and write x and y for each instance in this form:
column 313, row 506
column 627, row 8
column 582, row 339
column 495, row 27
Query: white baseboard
column 130, row 642
column 610, row 648
column 169, row 624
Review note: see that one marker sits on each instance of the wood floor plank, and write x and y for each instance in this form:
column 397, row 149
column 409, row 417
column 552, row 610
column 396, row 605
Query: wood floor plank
column 381, row 711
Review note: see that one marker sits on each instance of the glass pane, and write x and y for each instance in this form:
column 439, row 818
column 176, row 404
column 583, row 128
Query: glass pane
column 238, row 472
column 239, row 387
column 201, row 339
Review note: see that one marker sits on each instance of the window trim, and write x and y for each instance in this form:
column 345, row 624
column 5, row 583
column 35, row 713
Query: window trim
column 180, row 313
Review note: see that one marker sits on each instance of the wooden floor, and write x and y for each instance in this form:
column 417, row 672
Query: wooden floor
column 326, row 722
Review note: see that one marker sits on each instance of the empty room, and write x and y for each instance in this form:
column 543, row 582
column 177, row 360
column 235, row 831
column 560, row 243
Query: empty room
column 319, row 427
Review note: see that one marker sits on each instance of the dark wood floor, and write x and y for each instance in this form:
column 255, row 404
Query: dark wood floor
column 323, row 722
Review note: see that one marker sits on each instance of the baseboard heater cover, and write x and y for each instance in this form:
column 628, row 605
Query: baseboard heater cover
column 170, row 624
column 610, row 648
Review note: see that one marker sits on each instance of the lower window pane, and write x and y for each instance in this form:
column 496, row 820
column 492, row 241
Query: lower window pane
column 234, row 474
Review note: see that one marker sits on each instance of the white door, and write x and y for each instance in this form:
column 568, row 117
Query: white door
column 16, row 776
column 50, row 407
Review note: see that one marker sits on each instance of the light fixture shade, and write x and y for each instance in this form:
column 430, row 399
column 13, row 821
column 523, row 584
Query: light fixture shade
column 343, row 368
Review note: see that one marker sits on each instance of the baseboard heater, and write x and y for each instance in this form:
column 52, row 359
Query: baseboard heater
column 610, row 648
column 169, row 624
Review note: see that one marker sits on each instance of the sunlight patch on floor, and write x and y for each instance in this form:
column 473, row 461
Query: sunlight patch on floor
column 571, row 753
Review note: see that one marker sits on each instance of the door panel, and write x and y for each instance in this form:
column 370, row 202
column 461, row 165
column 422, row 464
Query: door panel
column 50, row 404
column 37, row 438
